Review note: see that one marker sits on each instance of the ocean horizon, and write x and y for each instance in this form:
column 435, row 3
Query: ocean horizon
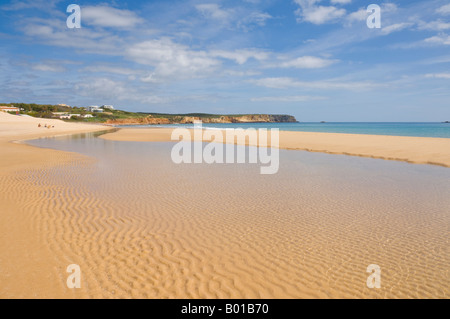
column 414, row 129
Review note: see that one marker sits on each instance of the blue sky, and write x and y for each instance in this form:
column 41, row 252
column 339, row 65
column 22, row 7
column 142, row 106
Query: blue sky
column 315, row 59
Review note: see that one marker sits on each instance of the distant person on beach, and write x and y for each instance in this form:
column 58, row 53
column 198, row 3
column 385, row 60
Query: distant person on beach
column 39, row 125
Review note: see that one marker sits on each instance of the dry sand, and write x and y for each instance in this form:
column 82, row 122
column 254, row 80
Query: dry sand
column 143, row 227
column 419, row 150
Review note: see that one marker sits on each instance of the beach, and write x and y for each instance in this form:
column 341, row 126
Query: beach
column 26, row 268
column 140, row 226
column 420, row 150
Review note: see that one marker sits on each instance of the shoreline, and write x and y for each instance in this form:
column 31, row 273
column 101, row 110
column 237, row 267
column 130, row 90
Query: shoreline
column 16, row 130
column 414, row 150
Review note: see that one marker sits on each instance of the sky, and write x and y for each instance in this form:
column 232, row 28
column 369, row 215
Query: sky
column 315, row 59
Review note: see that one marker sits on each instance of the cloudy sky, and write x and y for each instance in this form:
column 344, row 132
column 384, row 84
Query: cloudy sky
column 315, row 59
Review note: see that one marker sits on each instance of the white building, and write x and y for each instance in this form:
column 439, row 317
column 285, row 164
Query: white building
column 87, row 116
column 107, row 107
column 68, row 116
column 9, row 109
column 93, row 108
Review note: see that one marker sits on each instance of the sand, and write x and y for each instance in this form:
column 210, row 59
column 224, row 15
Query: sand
column 419, row 150
column 140, row 226
column 26, row 268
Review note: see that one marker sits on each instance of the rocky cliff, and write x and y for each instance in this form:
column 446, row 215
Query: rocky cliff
column 140, row 121
column 252, row 118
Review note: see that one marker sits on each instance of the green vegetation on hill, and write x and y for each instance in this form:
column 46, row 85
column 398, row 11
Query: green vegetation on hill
column 48, row 111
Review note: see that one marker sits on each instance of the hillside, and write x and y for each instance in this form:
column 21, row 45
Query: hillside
column 205, row 118
column 120, row 117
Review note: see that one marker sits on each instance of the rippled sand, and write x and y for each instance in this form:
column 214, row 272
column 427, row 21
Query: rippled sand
column 140, row 226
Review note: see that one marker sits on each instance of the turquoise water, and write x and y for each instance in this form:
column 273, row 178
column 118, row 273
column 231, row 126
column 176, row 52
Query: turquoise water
column 396, row 129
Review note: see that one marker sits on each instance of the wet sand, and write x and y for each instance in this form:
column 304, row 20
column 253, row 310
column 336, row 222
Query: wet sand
column 419, row 150
column 141, row 226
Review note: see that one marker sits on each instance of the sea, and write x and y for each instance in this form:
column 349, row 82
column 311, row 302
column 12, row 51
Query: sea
column 426, row 129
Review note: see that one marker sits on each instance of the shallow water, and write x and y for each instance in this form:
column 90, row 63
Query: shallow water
column 142, row 226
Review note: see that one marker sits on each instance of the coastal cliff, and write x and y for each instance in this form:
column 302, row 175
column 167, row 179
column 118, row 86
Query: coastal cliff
column 251, row 118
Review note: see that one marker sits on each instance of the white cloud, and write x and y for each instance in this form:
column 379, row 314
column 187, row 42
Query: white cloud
column 341, row 1
column 106, row 89
column 172, row 60
column 389, row 7
column 55, row 32
column 48, row 67
column 240, row 56
column 321, row 14
column 436, row 60
column 241, row 17
column 150, row 78
column 252, row 19
column 438, row 25
column 395, row 27
column 307, row 62
column 310, row 12
column 111, row 69
column 445, row 9
column 258, row 18
column 298, row 98
column 306, row 3
column 438, row 75
column 241, row 73
column 105, row 16
column 439, row 39
column 29, row 4
column 213, row 11
column 102, row 88
column 175, row 61
column 283, row 83
column 359, row 15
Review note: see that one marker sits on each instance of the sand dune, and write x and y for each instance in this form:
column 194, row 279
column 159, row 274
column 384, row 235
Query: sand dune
column 420, row 150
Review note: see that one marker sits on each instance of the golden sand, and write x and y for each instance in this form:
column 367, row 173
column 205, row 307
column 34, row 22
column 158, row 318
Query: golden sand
column 26, row 259
column 152, row 229
column 419, row 150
